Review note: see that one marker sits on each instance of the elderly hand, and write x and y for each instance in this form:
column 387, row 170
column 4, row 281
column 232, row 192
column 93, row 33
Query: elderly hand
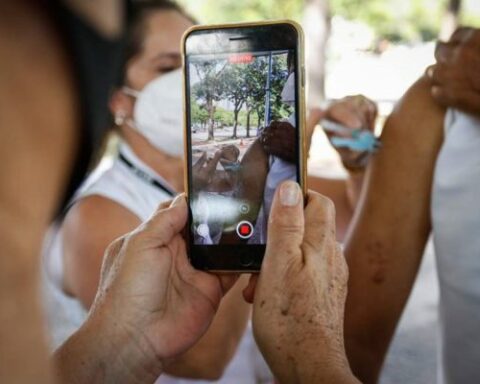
column 152, row 305
column 353, row 112
column 456, row 75
column 299, row 297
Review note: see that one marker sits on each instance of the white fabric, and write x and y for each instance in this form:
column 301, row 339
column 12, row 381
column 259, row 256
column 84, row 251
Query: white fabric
column 456, row 229
column 288, row 92
column 65, row 314
column 280, row 170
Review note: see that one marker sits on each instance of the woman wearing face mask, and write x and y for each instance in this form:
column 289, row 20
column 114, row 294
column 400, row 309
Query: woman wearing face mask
column 148, row 170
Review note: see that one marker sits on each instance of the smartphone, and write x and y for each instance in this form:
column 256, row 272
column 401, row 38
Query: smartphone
column 244, row 135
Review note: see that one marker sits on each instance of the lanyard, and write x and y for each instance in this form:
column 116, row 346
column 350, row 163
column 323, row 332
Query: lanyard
column 145, row 176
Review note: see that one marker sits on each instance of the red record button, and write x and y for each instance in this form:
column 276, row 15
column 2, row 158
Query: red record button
column 244, row 229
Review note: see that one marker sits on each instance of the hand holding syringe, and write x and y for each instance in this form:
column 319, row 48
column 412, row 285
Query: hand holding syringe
column 360, row 140
column 349, row 124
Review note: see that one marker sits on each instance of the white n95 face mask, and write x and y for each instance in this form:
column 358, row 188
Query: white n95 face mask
column 288, row 92
column 158, row 113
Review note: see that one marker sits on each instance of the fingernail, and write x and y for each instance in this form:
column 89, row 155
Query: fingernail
column 179, row 199
column 430, row 72
column 290, row 194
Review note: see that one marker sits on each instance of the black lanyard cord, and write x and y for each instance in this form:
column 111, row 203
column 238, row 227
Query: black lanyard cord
column 145, row 176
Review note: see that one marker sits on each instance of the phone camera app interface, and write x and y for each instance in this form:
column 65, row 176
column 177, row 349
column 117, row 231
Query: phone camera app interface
column 243, row 142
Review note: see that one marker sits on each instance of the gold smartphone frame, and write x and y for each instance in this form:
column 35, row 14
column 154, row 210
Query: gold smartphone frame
column 302, row 118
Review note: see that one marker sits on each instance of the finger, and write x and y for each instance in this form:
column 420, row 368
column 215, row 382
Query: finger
column 314, row 116
column 365, row 110
column 212, row 164
column 319, row 235
column 111, row 255
column 372, row 115
column 449, row 97
column 227, row 281
column 201, row 161
column 249, row 290
column 444, row 52
column 166, row 204
column 208, row 284
column 285, row 229
column 164, row 224
column 434, row 73
column 344, row 113
column 445, row 74
column 465, row 35
column 341, row 267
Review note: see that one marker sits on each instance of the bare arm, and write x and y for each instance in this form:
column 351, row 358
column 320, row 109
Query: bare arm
column 89, row 228
column 37, row 123
column 391, row 228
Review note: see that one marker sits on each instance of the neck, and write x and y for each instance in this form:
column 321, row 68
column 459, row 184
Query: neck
column 169, row 167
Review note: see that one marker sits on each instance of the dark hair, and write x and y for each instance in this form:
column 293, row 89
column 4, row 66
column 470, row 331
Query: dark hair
column 138, row 12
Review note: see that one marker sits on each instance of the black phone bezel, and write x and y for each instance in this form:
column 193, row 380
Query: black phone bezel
column 235, row 39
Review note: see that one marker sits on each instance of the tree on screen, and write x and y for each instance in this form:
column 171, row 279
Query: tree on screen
column 209, row 89
column 234, row 90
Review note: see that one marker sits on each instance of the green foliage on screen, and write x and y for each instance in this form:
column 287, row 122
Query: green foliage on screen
column 243, row 89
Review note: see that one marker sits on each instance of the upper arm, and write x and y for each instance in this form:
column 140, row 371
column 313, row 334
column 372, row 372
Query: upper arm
column 89, row 227
column 391, row 228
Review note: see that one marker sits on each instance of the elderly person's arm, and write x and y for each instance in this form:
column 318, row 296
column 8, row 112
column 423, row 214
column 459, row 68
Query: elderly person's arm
column 89, row 227
column 391, row 228
column 151, row 306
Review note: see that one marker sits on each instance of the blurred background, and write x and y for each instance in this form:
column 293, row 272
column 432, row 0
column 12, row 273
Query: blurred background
column 377, row 48
column 374, row 47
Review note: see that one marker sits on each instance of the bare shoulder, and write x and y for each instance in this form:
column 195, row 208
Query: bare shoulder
column 417, row 118
column 89, row 227
column 96, row 215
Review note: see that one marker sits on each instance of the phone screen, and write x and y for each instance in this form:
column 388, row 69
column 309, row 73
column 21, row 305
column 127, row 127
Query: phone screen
column 242, row 137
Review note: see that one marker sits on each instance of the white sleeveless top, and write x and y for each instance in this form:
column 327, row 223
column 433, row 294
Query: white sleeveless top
column 456, row 234
column 118, row 182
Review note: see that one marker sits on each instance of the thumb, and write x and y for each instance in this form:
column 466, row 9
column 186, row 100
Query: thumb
column 285, row 227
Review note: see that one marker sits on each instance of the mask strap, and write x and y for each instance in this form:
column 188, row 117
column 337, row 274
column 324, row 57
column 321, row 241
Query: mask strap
column 130, row 92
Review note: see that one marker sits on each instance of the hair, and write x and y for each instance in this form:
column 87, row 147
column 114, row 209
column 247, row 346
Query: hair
column 138, row 13
column 139, row 10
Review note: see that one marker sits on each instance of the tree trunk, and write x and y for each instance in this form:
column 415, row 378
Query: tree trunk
column 316, row 22
column 211, row 119
column 237, row 107
column 450, row 19
column 249, row 111
column 235, row 123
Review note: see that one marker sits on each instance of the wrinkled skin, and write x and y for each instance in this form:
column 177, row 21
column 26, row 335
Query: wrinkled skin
column 149, row 287
column 299, row 296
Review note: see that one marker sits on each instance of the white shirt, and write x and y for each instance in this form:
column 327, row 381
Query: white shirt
column 456, row 234
column 279, row 171
column 65, row 314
